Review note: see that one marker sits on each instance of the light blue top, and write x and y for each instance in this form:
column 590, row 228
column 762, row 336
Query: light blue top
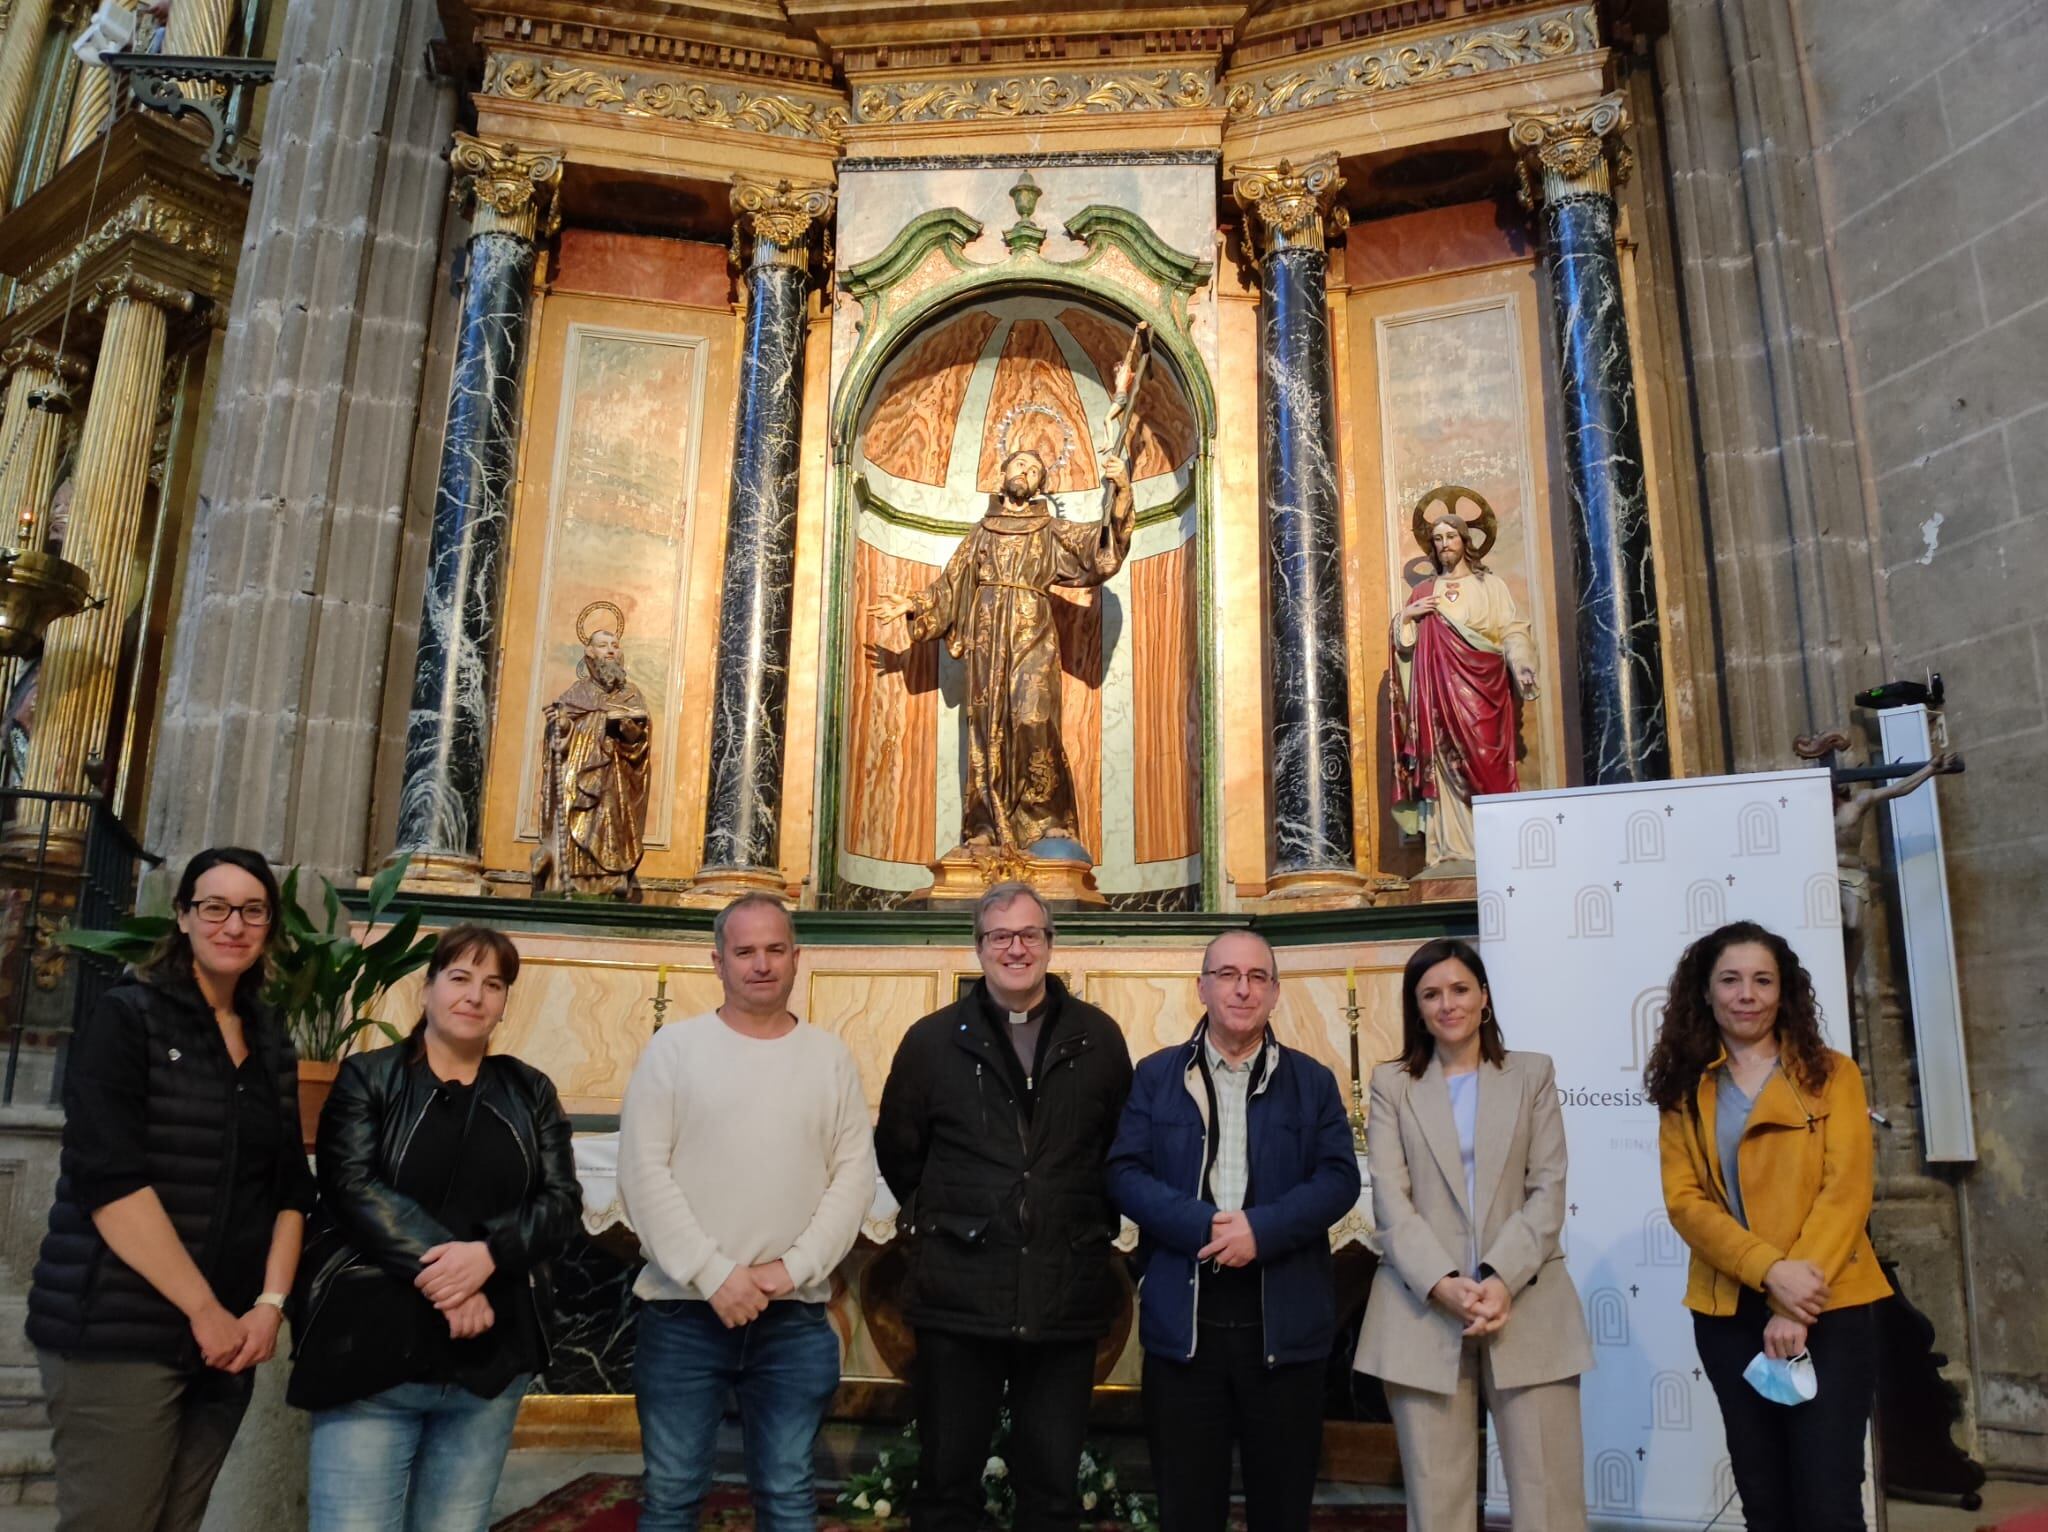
column 1731, row 1116
column 1465, row 1113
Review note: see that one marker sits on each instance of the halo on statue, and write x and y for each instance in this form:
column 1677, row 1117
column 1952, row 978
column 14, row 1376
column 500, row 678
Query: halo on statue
column 1442, row 504
column 1033, row 407
column 616, row 627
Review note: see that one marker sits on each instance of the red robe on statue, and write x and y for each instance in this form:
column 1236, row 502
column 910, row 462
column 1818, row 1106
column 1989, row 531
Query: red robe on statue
column 1454, row 712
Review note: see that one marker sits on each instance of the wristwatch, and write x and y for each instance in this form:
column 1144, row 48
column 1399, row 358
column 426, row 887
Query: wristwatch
column 275, row 1300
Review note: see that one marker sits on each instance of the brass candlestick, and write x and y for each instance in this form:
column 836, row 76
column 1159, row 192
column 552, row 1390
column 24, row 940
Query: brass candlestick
column 660, row 995
column 1357, row 1074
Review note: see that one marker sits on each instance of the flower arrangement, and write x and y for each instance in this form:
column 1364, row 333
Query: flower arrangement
column 883, row 1492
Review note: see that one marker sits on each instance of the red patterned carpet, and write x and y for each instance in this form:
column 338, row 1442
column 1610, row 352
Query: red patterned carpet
column 607, row 1502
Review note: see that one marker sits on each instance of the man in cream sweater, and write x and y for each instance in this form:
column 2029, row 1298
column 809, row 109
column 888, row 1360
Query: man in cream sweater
column 746, row 1163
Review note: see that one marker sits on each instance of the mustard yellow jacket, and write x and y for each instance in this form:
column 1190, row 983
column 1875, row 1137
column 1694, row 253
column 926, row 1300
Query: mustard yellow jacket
column 1806, row 1188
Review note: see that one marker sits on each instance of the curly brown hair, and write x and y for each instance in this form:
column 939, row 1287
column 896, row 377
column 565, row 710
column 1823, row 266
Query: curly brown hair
column 1689, row 1038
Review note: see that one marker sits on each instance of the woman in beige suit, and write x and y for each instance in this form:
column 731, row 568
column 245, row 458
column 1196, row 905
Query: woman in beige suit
column 1472, row 1301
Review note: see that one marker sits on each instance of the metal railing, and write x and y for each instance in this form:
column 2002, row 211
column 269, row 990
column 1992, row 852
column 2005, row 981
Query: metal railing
column 66, row 862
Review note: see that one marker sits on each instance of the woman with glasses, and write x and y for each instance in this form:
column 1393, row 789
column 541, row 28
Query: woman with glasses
column 1472, row 1302
column 181, row 1198
column 447, row 1185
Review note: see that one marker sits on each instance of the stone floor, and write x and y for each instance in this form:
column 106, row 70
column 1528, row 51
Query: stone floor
column 531, row 1474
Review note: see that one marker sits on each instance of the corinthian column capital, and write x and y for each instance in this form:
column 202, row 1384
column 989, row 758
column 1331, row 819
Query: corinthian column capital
column 512, row 189
column 1577, row 150
column 780, row 214
column 1295, row 204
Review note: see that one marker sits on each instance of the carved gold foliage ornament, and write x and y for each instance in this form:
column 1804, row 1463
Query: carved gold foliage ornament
column 1453, row 56
column 191, row 230
column 1573, row 148
column 136, row 288
column 1296, row 204
column 45, row 358
column 676, row 99
column 514, row 189
column 1068, row 95
column 780, row 213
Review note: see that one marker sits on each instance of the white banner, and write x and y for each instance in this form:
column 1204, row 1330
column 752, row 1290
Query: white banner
column 1586, row 899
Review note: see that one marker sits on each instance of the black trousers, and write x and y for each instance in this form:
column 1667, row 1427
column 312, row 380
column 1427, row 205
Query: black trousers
column 959, row 1388
column 1798, row 1468
column 1196, row 1411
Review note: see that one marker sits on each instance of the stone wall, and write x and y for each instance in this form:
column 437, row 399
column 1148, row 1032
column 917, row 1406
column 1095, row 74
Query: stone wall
column 1931, row 129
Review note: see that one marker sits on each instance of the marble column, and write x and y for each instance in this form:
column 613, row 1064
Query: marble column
column 447, row 739
column 21, row 45
column 1576, row 154
column 29, row 438
column 1291, row 214
column 75, row 696
column 743, row 806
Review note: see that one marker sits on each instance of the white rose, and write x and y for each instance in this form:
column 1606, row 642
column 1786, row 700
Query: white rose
column 882, row 1509
column 860, row 1501
column 1109, row 1479
column 1088, row 1501
column 994, row 1468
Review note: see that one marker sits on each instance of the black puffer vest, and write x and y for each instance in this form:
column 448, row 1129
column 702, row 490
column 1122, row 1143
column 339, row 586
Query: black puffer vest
column 87, row 1301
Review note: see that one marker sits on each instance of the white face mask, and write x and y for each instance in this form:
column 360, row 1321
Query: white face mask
column 1782, row 1382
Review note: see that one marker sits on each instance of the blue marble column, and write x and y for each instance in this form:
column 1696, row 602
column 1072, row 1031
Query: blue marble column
column 447, row 740
column 1309, row 752
column 1620, row 660
column 743, row 804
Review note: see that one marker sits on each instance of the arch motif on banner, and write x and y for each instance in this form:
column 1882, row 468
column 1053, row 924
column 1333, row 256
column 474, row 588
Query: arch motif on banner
column 1756, row 830
column 1536, row 844
column 1643, row 838
column 1593, row 912
column 1670, row 1402
column 1614, row 1481
column 1607, row 1316
column 1706, row 907
column 1823, row 902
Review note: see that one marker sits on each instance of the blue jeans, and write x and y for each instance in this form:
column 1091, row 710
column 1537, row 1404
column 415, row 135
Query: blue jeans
column 421, row 1457
column 783, row 1367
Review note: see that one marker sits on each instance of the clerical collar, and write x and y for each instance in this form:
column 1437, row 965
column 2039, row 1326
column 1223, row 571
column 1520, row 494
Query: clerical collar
column 1016, row 1018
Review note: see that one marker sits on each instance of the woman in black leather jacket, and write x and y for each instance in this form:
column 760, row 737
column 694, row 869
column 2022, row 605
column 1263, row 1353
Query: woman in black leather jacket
column 446, row 1185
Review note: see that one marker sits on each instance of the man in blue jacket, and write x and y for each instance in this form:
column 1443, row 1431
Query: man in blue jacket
column 1234, row 1158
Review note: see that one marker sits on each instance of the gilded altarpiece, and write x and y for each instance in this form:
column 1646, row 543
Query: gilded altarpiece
column 619, row 500
column 1025, row 358
column 1446, row 381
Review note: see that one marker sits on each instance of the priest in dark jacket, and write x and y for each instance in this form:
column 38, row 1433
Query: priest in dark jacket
column 993, row 1133
column 1234, row 1159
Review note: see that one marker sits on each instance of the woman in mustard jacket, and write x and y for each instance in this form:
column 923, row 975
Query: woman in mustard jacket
column 1766, row 1153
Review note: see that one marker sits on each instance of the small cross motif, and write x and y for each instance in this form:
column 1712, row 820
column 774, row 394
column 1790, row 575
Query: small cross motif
column 1617, row 885
column 1782, row 802
column 1634, row 1291
column 1511, row 890
column 1731, row 880
column 1667, row 811
column 1560, row 819
column 1575, row 1210
column 1695, row 1375
column 1640, row 1454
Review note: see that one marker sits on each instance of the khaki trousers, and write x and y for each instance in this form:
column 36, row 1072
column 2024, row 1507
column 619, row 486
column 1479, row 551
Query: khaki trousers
column 1541, row 1449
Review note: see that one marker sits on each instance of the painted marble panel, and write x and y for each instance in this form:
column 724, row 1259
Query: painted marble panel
column 618, row 530
column 910, row 433
column 893, row 708
column 1166, row 705
column 1034, row 391
column 1454, row 411
column 1077, row 614
column 1163, row 435
column 870, row 1010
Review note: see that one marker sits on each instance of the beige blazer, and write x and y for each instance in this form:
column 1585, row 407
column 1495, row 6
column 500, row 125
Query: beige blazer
column 1418, row 1207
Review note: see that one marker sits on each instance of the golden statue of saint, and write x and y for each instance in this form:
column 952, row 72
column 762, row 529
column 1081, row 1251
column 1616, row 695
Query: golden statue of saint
column 593, row 784
column 994, row 609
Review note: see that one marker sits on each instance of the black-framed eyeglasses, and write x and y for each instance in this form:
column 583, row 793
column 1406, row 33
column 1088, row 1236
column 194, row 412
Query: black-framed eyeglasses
column 215, row 912
column 1033, row 937
column 1229, row 978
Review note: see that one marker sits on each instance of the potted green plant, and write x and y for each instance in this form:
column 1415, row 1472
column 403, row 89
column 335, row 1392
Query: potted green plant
column 324, row 982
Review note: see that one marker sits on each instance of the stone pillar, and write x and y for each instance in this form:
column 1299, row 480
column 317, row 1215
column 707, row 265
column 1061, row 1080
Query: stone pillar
column 743, row 808
column 28, row 22
column 92, row 102
column 29, row 438
column 448, row 734
column 275, row 676
column 1621, row 666
column 1291, row 215
column 76, row 693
